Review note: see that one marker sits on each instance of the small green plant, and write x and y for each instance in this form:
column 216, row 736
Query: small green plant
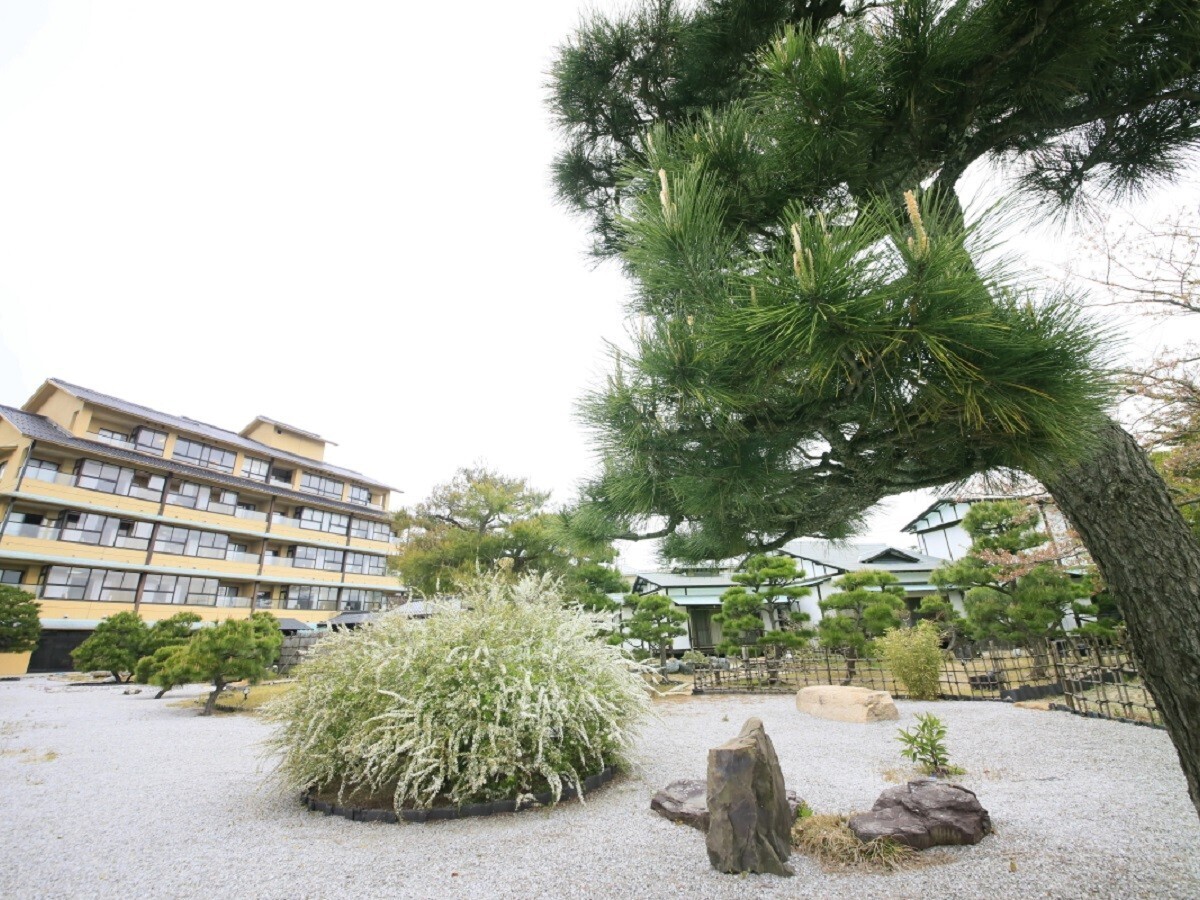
column 695, row 657
column 914, row 656
column 926, row 746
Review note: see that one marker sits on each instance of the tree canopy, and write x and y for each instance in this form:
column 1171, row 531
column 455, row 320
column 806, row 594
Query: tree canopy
column 814, row 329
column 468, row 525
column 1015, row 587
column 20, row 626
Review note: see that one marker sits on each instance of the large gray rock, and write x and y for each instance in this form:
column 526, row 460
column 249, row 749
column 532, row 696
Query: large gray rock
column 924, row 814
column 686, row 802
column 749, row 822
column 683, row 801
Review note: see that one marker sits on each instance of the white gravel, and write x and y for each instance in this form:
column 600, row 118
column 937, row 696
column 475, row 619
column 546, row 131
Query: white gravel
column 104, row 794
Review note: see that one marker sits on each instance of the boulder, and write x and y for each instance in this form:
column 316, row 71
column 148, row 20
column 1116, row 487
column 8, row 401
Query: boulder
column 686, row 802
column 923, row 814
column 683, row 801
column 847, row 704
column 749, row 822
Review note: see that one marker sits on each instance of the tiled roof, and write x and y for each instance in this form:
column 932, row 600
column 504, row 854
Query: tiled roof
column 212, row 432
column 855, row 557
column 42, row 429
column 672, row 579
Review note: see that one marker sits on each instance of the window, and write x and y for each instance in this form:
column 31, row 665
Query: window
column 360, row 495
column 205, row 455
column 323, row 520
column 202, row 497
column 180, row 589
column 119, row 437
column 366, row 564
column 86, row 528
column 150, row 441
column 42, row 469
column 281, row 477
column 312, row 483
column 78, row 583
column 133, row 535
column 255, row 469
column 318, row 558
column 303, row 596
column 98, row 476
column 223, row 502
column 11, row 576
column 28, row 525
column 191, row 542
column 145, row 486
column 371, row 530
column 360, row 601
column 227, row 595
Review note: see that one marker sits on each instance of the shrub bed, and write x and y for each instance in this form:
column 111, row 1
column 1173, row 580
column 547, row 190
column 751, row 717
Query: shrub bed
column 511, row 697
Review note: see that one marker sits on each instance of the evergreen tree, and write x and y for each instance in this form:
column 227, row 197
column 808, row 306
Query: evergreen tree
column 655, row 624
column 469, row 525
column 868, row 604
column 1014, row 587
column 766, row 586
column 817, row 333
column 234, row 650
column 115, row 646
column 20, row 627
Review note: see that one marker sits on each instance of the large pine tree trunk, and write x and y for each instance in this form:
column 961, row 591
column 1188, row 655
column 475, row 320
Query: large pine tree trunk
column 1151, row 562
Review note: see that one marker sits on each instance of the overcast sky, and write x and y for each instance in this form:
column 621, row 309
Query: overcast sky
column 335, row 215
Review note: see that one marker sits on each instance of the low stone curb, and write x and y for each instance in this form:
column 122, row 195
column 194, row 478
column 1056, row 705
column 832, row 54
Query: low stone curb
column 438, row 813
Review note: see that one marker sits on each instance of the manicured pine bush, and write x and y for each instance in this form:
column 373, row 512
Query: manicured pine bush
column 513, row 694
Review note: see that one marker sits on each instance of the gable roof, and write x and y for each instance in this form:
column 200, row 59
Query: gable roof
column 854, row 557
column 212, row 432
column 44, row 430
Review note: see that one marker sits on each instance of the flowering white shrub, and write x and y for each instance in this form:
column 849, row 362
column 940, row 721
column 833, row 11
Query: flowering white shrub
column 512, row 695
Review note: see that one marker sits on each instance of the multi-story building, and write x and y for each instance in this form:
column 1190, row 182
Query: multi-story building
column 110, row 506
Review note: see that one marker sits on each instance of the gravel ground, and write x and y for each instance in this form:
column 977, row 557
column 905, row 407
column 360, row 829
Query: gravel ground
column 112, row 795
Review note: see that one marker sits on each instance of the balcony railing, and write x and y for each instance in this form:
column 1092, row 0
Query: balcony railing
column 41, row 532
column 233, row 556
column 252, row 515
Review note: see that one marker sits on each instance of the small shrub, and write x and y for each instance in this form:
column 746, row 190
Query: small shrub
column 914, row 657
column 695, row 657
column 515, row 694
column 926, row 746
column 20, row 626
column 829, row 840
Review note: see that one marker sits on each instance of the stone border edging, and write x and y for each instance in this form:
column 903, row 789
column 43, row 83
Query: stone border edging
column 437, row 813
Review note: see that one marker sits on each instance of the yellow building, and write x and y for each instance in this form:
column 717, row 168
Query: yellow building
column 110, row 506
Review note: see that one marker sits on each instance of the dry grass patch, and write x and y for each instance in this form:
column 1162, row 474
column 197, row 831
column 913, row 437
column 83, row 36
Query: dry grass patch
column 829, row 840
column 241, row 698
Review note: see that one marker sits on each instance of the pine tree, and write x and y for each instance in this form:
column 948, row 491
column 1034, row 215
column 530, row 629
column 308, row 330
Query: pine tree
column 20, row 626
column 655, row 623
column 234, row 650
column 867, row 605
column 818, row 331
column 115, row 646
column 766, row 586
column 1014, row 588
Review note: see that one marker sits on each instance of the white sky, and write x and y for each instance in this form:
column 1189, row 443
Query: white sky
column 335, row 215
